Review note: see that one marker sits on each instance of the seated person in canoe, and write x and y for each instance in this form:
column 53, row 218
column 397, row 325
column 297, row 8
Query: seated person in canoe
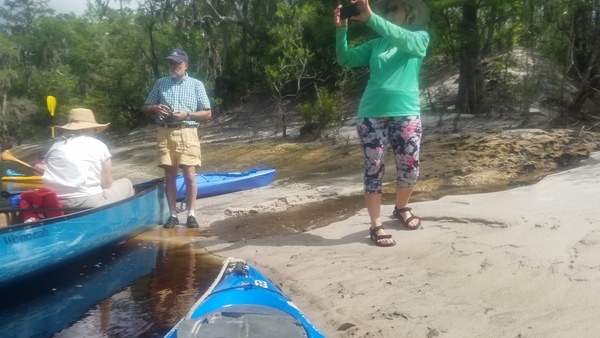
column 79, row 167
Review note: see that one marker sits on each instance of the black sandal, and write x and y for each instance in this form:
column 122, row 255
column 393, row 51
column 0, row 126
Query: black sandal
column 375, row 238
column 409, row 219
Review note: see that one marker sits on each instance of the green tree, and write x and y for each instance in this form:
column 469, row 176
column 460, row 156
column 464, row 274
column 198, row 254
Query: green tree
column 20, row 18
column 320, row 114
column 108, row 59
column 289, row 72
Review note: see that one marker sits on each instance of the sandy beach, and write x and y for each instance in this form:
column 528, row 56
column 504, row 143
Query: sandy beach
column 517, row 263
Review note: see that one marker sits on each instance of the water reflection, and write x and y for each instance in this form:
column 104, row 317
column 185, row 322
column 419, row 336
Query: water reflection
column 180, row 275
column 139, row 288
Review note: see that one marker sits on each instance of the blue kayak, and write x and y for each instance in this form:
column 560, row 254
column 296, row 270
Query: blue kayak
column 213, row 184
column 244, row 303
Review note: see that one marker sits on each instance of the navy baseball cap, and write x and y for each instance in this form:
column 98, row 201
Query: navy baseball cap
column 178, row 55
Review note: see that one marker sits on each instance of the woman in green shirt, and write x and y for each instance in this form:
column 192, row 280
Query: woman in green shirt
column 389, row 110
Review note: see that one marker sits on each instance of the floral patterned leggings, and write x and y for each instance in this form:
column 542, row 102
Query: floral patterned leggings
column 404, row 135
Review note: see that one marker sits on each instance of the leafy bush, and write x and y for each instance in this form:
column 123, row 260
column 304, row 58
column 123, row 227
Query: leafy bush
column 320, row 114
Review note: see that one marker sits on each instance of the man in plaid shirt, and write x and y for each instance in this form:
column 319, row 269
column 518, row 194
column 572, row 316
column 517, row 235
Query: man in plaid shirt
column 177, row 103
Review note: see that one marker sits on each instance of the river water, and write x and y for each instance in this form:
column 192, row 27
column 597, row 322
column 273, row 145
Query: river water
column 137, row 288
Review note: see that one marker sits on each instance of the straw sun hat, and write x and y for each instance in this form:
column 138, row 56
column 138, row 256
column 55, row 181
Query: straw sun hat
column 81, row 118
column 418, row 13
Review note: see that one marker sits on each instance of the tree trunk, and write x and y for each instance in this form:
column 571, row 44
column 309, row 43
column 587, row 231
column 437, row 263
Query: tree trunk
column 585, row 58
column 471, row 91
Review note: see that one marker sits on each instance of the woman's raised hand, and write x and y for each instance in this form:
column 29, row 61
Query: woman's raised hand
column 339, row 23
column 365, row 11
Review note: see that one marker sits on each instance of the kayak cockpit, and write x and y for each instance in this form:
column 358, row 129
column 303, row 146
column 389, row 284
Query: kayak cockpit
column 243, row 321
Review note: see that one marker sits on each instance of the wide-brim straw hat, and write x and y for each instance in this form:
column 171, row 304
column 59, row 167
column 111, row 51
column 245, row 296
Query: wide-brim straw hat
column 418, row 16
column 82, row 118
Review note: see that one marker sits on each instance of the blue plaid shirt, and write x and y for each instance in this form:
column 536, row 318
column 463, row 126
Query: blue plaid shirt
column 187, row 95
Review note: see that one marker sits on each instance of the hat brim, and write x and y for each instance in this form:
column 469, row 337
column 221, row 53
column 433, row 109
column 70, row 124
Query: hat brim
column 419, row 7
column 176, row 59
column 84, row 125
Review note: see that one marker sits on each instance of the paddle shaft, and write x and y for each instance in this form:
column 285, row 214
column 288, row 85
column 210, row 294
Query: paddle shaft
column 7, row 156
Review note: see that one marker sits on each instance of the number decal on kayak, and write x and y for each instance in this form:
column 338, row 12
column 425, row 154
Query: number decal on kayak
column 261, row 283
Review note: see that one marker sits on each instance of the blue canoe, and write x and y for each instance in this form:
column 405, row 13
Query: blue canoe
column 27, row 249
column 244, row 303
column 213, row 184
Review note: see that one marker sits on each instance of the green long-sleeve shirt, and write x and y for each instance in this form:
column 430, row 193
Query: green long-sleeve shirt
column 394, row 60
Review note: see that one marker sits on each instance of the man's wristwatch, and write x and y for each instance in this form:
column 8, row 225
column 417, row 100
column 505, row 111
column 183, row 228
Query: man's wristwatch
column 188, row 116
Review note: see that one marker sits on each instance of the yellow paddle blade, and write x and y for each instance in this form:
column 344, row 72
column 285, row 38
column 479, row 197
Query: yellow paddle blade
column 51, row 102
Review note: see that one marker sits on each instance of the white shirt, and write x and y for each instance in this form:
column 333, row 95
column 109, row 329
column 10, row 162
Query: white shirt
column 74, row 166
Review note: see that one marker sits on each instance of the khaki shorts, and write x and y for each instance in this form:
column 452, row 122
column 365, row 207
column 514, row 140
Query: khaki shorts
column 178, row 146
